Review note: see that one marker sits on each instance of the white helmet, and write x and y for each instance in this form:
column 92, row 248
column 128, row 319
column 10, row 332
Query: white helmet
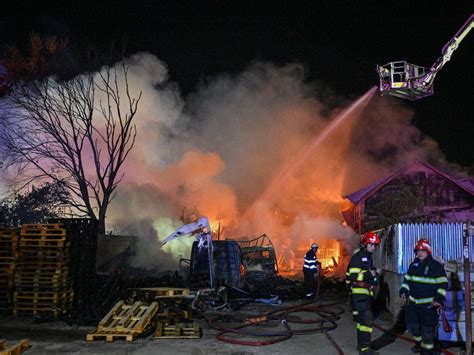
column 314, row 245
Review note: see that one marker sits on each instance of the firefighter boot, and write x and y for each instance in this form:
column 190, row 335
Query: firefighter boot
column 417, row 348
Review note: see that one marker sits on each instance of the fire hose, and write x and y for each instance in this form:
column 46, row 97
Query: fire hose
column 446, row 327
column 406, row 338
column 328, row 315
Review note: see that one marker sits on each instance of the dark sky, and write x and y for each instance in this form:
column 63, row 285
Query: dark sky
column 339, row 42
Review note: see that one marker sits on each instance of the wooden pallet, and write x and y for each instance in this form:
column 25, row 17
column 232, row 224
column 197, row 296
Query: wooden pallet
column 44, row 271
column 178, row 331
column 111, row 336
column 9, row 243
column 42, row 265
column 43, row 286
column 8, row 234
column 43, row 243
column 43, row 310
column 31, row 298
column 15, row 349
column 44, row 251
column 124, row 318
column 10, row 253
column 7, row 268
column 40, row 272
column 55, row 228
column 124, row 322
column 22, row 258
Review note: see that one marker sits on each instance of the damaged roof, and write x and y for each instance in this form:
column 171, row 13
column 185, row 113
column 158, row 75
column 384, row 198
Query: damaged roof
column 467, row 184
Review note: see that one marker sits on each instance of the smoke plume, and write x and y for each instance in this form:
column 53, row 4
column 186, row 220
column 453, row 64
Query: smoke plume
column 215, row 151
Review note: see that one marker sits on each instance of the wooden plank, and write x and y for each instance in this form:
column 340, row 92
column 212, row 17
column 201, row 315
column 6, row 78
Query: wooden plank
column 110, row 336
column 122, row 324
column 17, row 348
column 145, row 319
column 110, row 315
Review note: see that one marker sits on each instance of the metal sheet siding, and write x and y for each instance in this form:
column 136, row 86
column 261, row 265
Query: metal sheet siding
column 445, row 239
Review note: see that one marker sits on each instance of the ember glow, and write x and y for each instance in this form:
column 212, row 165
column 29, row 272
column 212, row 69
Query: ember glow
column 256, row 155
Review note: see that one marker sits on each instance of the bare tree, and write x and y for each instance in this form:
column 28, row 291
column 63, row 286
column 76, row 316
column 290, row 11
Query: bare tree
column 77, row 132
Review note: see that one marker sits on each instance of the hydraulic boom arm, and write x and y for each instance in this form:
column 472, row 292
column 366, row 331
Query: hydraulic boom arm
column 411, row 81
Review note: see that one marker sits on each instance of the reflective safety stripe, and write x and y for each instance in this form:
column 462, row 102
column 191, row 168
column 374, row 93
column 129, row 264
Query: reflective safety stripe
column 406, row 286
column 364, row 349
column 355, row 313
column 310, row 261
column 417, row 338
column 427, row 280
column 366, row 329
column 360, row 291
column 355, row 270
column 427, row 346
column 348, row 281
column 360, row 276
column 310, row 267
column 421, row 300
column 347, row 274
column 442, row 291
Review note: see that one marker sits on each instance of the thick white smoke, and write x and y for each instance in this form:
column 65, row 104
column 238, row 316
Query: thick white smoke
column 213, row 153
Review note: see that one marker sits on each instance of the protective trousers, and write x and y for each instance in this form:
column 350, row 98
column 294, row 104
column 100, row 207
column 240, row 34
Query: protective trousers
column 309, row 282
column 361, row 310
column 421, row 321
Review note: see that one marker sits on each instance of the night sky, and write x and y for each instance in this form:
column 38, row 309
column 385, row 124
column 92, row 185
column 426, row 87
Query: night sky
column 338, row 42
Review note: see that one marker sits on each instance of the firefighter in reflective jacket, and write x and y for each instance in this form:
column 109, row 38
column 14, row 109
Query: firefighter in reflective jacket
column 362, row 277
column 424, row 289
column 310, row 269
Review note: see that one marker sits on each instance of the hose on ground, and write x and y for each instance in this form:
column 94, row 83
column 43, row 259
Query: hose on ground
column 328, row 314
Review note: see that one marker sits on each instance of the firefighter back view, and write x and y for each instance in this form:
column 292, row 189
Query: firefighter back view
column 363, row 277
column 310, row 270
column 424, row 289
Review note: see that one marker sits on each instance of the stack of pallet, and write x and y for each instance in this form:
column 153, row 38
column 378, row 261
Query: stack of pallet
column 42, row 282
column 8, row 260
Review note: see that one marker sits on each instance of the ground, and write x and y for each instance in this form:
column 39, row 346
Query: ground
column 59, row 338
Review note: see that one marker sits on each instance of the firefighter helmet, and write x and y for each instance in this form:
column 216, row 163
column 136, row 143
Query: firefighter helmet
column 423, row 244
column 314, row 245
column 370, row 238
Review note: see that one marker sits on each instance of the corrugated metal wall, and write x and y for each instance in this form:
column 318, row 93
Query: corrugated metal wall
column 445, row 238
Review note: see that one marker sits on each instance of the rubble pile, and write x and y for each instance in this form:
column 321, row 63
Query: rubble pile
column 116, row 285
column 262, row 284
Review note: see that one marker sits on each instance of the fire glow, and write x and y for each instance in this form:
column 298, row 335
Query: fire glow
column 215, row 152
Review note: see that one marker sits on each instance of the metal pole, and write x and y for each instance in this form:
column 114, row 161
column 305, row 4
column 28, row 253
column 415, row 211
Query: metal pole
column 210, row 254
column 467, row 287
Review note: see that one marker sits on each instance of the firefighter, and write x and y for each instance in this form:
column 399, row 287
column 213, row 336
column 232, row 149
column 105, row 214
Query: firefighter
column 363, row 277
column 310, row 270
column 423, row 290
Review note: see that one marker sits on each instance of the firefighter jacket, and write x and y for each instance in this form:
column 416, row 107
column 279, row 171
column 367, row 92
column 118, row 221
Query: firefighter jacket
column 425, row 281
column 359, row 274
column 310, row 261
